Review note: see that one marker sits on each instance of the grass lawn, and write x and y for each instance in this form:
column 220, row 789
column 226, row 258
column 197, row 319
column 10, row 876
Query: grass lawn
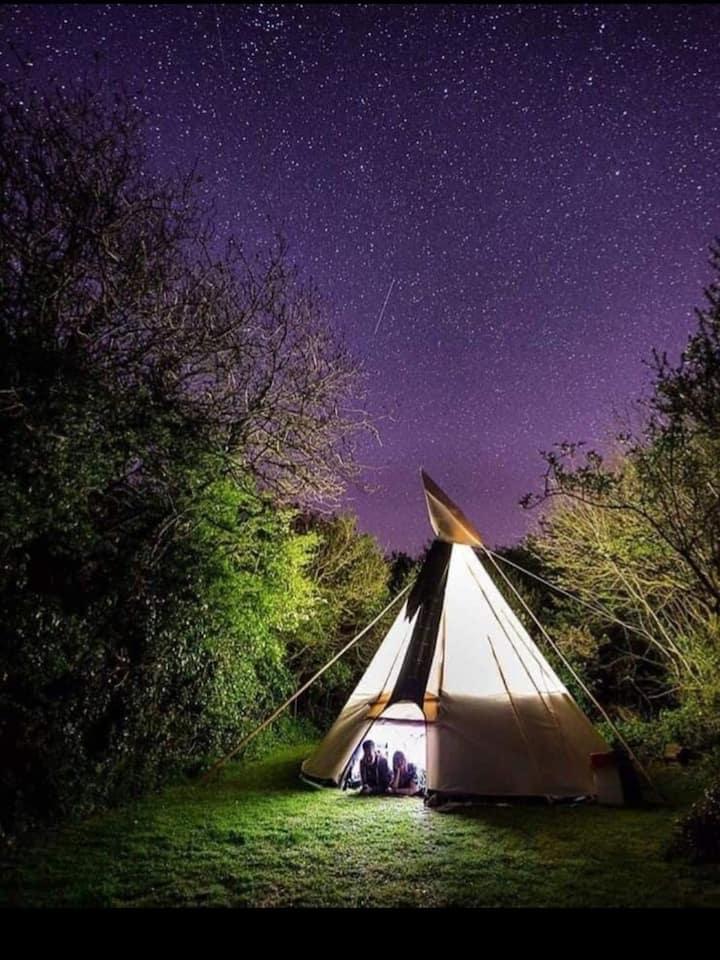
column 260, row 837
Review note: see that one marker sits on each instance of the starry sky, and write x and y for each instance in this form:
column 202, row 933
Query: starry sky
column 505, row 206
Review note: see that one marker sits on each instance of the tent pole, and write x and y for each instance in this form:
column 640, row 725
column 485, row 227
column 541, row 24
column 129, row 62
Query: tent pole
column 303, row 688
column 595, row 607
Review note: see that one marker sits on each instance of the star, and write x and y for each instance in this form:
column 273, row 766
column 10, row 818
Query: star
column 537, row 181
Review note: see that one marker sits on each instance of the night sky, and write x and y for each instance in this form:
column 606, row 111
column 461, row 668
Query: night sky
column 535, row 186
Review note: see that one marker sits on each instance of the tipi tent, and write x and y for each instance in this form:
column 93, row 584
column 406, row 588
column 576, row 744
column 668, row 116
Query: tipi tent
column 459, row 669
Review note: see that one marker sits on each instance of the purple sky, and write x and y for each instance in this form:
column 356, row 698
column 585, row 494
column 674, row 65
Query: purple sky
column 538, row 183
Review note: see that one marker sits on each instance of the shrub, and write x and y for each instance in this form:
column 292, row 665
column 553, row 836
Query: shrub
column 698, row 834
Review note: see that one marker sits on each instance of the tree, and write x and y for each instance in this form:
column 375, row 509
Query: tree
column 640, row 535
column 159, row 408
column 642, row 627
column 675, row 457
column 403, row 569
column 108, row 269
column 350, row 580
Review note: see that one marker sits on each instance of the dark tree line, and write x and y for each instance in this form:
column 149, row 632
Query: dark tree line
column 164, row 415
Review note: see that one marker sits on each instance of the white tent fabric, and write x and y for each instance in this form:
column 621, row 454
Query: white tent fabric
column 499, row 721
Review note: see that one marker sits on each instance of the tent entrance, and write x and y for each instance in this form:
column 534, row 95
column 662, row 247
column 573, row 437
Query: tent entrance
column 401, row 727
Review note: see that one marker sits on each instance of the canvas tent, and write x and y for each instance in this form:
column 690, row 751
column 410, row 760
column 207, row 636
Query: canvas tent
column 458, row 666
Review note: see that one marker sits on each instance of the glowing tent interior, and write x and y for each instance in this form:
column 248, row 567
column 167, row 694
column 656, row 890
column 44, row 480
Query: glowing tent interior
column 458, row 678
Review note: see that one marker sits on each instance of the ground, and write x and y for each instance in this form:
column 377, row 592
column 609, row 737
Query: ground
column 261, row 837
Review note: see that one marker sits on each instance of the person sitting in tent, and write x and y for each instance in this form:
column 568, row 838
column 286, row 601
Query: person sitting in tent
column 404, row 776
column 375, row 773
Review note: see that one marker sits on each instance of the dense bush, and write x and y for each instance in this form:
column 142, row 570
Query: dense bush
column 691, row 726
column 162, row 665
column 698, row 834
column 349, row 576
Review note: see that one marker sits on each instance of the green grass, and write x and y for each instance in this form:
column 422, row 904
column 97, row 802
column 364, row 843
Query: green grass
column 260, row 837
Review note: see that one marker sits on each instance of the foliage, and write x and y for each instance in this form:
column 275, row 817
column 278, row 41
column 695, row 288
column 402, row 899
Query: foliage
column 636, row 538
column 403, row 570
column 170, row 663
column 350, row 581
column 107, row 271
column 666, row 481
column 653, row 638
column 159, row 409
column 698, row 833
column 690, row 725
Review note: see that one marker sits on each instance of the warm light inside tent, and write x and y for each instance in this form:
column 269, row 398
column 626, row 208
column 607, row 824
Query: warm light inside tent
column 498, row 719
column 391, row 735
column 507, row 663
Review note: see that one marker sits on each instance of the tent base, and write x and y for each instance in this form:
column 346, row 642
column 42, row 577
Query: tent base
column 434, row 799
column 448, row 800
column 317, row 782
